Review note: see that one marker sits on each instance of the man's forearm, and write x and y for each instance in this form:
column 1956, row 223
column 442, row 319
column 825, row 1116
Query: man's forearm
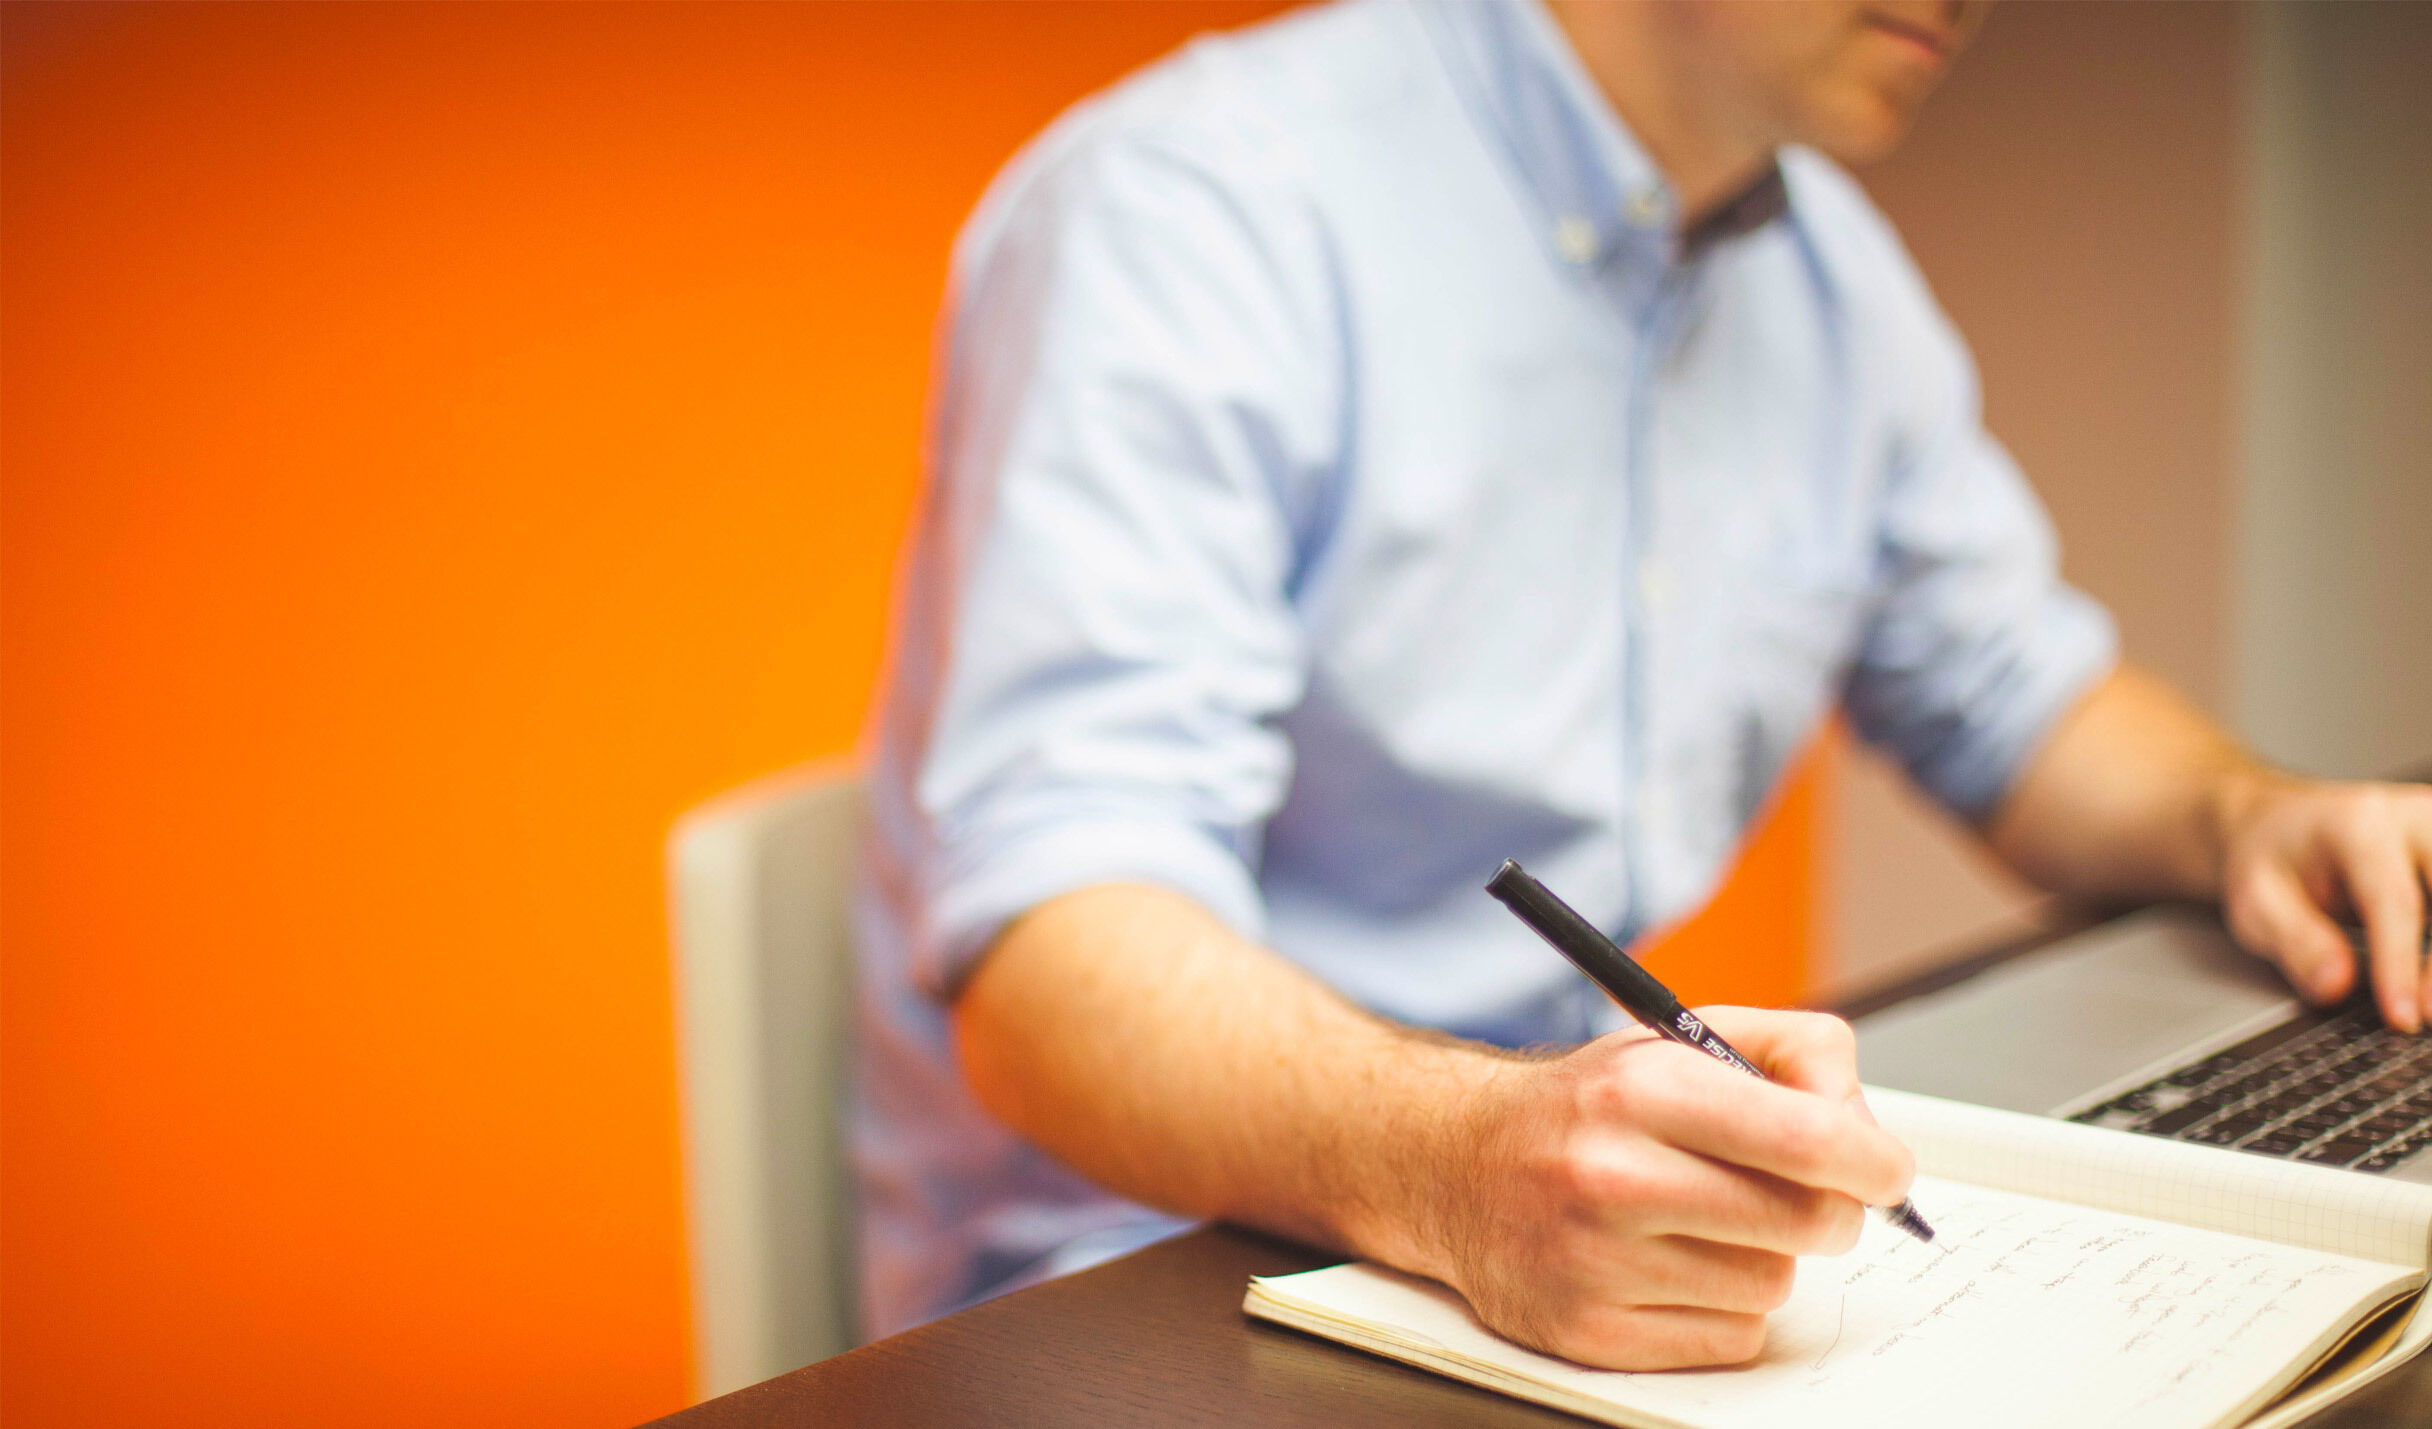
column 2128, row 797
column 1134, row 1036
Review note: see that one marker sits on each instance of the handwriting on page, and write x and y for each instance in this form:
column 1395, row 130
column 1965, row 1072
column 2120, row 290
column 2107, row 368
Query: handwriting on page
column 2084, row 1317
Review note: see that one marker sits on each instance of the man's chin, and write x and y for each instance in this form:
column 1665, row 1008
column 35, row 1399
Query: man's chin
column 1861, row 128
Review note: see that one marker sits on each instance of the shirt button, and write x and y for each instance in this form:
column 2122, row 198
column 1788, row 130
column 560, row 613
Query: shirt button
column 1575, row 239
column 1654, row 584
column 1647, row 208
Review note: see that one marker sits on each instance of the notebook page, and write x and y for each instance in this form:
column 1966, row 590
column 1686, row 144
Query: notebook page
column 2295, row 1409
column 2023, row 1312
column 2342, row 1211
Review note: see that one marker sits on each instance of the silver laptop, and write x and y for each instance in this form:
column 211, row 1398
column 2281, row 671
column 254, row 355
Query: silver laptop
column 2158, row 1024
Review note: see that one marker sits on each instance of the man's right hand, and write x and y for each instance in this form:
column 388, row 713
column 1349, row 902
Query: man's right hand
column 1634, row 1204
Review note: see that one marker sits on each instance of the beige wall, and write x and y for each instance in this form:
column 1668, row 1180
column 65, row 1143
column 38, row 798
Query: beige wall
column 2072, row 196
column 2333, row 596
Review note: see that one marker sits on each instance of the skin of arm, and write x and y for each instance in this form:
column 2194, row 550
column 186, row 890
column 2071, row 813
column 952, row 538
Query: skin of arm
column 1628, row 1203
column 2135, row 794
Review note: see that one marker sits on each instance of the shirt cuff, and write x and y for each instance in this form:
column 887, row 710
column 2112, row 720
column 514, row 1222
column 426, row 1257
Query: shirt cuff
column 981, row 893
column 2074, row 646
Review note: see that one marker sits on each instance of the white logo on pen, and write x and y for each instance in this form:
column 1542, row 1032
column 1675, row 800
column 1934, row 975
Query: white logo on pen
column 1690, row 1025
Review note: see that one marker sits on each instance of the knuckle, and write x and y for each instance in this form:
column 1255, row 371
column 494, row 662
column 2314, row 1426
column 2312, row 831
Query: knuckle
column 1621, row 1074
column 2360, row 817
column 1584, row 1178
column 1573, row 1166
column 1615, row 1097
column 1600, row 1093
column 1671, row 1069
column 1612, row 1186
column 1656, row 1084
column 1835, row 1033
column 1817, row 1039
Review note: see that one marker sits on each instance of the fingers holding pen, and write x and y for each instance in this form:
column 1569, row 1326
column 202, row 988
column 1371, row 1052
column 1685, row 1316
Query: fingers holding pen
column 1665, row 1191
column 1628, row 1227
column 1806, row 1139
column 1658, row 1195
column 1812, row 1051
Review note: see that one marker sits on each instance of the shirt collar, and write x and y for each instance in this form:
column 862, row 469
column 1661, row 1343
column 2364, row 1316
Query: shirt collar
column 1602, row 194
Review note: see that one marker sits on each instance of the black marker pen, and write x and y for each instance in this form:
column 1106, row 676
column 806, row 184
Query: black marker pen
column 1637, row 990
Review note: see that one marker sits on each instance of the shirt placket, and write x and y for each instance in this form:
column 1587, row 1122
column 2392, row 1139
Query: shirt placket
column 1655, row 317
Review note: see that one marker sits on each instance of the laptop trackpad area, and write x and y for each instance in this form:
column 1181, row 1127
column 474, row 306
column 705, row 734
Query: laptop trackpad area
column 2102, row 1010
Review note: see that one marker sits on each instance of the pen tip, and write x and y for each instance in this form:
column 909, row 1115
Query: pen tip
column 1906, row 1218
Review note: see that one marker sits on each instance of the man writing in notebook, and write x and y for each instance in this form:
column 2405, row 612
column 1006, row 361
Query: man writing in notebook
column 1403, row 437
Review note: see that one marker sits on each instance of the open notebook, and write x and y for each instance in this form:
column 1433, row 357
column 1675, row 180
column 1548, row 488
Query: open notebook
column 2078, row 1276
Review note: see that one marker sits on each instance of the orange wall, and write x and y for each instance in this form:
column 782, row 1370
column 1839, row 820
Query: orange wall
column 437, row 445
column 1760, row 940
column 441, row 443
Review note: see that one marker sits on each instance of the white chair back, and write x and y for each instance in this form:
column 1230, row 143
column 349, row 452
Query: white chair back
column 760, row 882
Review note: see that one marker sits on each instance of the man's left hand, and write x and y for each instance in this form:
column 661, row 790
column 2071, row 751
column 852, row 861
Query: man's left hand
column 2136, row 794
column 2298, row 854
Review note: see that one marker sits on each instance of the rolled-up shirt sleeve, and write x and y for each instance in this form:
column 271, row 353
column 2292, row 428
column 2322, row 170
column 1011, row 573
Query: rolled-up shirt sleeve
column 1977, row 646
column 1138, row 421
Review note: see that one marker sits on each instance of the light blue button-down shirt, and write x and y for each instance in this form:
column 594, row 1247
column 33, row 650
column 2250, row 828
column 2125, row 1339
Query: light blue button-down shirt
column 1344, row 477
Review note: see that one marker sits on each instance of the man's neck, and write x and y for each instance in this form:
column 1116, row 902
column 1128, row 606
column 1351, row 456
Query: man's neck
column 1706, row 153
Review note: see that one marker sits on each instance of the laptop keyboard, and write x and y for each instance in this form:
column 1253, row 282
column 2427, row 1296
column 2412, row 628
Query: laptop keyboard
column 2333, row 1088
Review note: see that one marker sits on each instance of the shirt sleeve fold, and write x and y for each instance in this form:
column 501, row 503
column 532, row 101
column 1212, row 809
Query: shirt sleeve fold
column 1139, row 411
column 1977, row 646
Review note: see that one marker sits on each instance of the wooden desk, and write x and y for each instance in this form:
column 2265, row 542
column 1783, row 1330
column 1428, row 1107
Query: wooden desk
column 1158, row 1338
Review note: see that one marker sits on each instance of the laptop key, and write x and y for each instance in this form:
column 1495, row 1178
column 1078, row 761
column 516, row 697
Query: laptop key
column 2202, row 1072
column 2393, row 1153
column 2230, row 1128
column 2286, row 1104
column 2171, row 1123
column 2339, row 1151
column 2349, row 1108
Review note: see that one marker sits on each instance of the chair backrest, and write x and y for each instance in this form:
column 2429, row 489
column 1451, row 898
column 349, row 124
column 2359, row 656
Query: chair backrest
column 760, row 883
